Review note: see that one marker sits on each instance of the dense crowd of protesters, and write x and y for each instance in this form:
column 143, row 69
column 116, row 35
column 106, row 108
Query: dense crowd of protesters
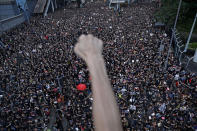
column 39, row 72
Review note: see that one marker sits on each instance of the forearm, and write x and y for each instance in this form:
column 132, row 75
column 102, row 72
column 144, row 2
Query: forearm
column 105, row 109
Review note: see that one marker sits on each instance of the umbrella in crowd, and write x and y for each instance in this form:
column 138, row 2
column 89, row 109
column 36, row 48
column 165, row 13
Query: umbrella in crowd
column 81, row 87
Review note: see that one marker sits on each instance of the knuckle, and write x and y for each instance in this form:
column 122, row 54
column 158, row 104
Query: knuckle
column 82, row 37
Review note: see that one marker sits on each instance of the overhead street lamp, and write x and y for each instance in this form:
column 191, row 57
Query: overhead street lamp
column 173, row 30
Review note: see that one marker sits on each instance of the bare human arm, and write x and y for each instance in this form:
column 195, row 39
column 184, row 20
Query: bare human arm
column 105, row 110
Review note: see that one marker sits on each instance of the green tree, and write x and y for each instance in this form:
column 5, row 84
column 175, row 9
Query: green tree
column 168, row 10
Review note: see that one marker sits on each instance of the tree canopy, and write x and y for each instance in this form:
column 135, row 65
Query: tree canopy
column 168, row 10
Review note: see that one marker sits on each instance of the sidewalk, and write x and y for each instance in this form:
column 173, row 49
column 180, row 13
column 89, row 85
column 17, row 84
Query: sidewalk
column 192, row 66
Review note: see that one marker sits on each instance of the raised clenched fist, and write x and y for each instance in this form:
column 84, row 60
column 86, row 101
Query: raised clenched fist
column 88, row 46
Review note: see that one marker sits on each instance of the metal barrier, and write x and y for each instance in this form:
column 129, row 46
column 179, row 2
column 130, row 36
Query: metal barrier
column 116, row 3
column 179, row 50
column 9, row 23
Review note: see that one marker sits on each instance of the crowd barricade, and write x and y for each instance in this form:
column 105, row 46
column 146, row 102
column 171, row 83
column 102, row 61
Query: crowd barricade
column 179, row 50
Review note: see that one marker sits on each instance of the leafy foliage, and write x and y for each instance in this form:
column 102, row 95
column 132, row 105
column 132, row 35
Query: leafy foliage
column 167, row 13
column 193, row 45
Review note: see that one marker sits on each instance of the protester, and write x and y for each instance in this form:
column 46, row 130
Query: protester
column 40, row 72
